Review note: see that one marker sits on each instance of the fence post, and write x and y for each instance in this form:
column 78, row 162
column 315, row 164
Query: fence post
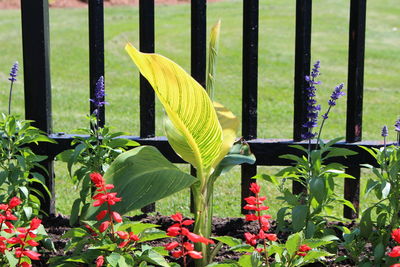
column 249, row 87
column 355, row 85
column 301, row 69
column 37, row 85
column 147, row 103
column 96, row 51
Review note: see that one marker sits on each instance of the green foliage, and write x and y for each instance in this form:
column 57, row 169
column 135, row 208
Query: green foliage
column 17, row 160
column 378, row 220
column 142, row 176
column 309, row 210
column 90, row 154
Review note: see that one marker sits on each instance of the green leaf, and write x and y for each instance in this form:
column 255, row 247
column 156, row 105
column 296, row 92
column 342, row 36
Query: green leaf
column 152, row 234
column 317, row 189
column 75, row 232
column 12, row 260
column 76, row 206
column 136, row 227
column 366, row 223
column 142, row 176
column 339, row 152
column 299, row 214
column 192, row 128
column 314, row 255
column 293, row 243
column 379, row 251
column 212, row 58
column 113, row 259
column 245, row 261
column 228, row 240
column 268, row 178
column 153, row 257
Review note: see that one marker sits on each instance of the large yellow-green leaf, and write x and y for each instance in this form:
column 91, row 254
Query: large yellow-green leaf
column 230, row 125
column 193, row 129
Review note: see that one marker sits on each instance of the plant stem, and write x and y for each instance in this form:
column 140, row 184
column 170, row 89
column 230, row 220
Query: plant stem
column 9, row 98
column 202, row 196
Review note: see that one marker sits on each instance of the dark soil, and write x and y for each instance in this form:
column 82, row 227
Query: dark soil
column 235, row 227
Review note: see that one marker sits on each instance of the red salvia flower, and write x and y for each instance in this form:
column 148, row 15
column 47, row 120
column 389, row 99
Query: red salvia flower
column 395, row 265
column 396, row 235
column 303, row 249
column 15, row 201
column 99, row 261
column 183, row 247
column 255, row 203
column 395, row 252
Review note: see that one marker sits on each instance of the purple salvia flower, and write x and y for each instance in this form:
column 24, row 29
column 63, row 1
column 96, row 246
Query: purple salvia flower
column 13, row 78
column 385, row 131
column 99, row 94
column 14, row 72
column 397, row 126
column 312, row 108
column 337, row 93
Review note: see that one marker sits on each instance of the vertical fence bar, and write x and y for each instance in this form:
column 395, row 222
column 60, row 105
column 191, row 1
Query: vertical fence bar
column 301, row 68
column 96, row 50
column 147, row 103
column 249, row 86
column 36, row 52
column 199, row 41
column 198, row 62
column 355, row 85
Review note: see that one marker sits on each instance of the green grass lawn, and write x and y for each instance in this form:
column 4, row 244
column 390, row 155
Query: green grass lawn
column 69, row 69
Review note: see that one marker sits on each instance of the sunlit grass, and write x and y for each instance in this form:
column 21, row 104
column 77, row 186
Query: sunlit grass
column 69, row 69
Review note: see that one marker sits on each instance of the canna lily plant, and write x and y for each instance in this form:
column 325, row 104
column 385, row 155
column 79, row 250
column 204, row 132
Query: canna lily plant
column 201, row 131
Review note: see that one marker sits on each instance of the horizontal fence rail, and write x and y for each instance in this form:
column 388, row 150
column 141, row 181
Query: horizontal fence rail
column 36, row 45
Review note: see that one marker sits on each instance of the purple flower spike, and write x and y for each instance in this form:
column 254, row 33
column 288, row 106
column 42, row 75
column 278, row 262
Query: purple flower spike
column 385, row 131
column 312, row 107
column 14, row 72
column 397, row 126
column 99, row 94
column 337, row 93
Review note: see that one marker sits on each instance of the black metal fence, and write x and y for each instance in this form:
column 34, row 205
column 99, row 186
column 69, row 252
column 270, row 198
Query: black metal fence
column 35, row 31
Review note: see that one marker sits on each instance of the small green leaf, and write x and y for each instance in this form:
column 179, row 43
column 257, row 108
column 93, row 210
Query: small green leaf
column 228, row 240
column 75, row 232
column 299, row 215
column 76, row 206
column 293, row 243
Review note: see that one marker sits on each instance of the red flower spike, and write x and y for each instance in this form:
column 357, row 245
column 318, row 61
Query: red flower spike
column 271, row 237
column 396, row 235
column 177, row 217
column 251, row 217
column 133, row 237
column 177, row 254
column 255, row 188
column 109, row 186
column 15, row 201
column 97, row 179
column 101, row 215
column 250, row 239
column 122, row 234
column 3, row 207
column 172, row 245
column 116, row 216
column 395, row 265
column 99, row 261
column 32, row 243
column 197, row 238
column 195, row 254
column 395, row 252
column 173, row 231
column 35, row 223
column 188, row 246
column 187, row 222
column 123, row 244
column 30, row 254
column 103, row 226
column 261, row 235
column 304, row 248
